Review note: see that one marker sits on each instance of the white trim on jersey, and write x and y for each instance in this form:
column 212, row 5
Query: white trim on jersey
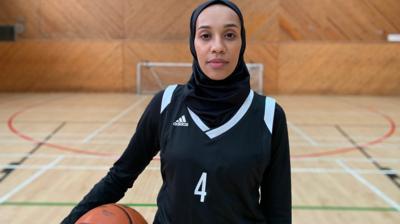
column 269, row 112
column 198, row 121
column 167, row 96
column 234, row 120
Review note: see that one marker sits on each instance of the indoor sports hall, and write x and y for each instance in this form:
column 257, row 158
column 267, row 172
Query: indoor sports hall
column 75, row 77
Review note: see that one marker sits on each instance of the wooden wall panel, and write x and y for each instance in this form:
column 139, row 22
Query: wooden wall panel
column 127, row 19
column 23, row 11
column 135, row 52
column 266, row 54
column 170, row 19
column 275, row 20
column 61, row 66
column 344, row 20
column 111, row 66
column 261, row 19
column 99, row 19
column 339, row 68
column 306, row 46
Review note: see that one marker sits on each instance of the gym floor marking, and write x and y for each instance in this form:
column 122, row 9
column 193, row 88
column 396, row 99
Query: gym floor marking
column 112, row 121
column 30, row 179
column 302, row 134
column 387, row 134
column 72, row 156
column 298, row 207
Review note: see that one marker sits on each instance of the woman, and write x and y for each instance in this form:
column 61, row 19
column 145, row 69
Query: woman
column 224, row 149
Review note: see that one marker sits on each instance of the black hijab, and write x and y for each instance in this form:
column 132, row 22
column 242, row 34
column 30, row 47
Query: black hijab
column 216, row 101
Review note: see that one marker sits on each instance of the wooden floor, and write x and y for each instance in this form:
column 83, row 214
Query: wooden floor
column 54, row 147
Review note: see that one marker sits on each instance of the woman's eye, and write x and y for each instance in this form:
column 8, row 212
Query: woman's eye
column 230, row 36
column 205, row 36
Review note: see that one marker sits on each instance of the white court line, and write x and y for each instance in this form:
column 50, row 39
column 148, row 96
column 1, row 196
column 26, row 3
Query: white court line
column 82, row 156
column 330, row 170
column 382, row 146
column 112, row 121
column 294, row 170
column 330, row 145
column 125, row 141
column 302, row 134
column 330, row 139
column 374, row 189
column 47, row 155
column 30, row 179
column 349, row 159
column 65, row 167
column 105, row 141
column 359, row 137
column 63, row 134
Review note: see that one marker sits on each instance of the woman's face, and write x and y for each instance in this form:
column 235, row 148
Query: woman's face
column 217, row 41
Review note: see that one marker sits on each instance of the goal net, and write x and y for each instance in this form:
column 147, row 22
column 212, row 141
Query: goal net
column 152, row 77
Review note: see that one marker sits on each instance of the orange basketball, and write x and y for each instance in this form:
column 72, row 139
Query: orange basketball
column 112, row 214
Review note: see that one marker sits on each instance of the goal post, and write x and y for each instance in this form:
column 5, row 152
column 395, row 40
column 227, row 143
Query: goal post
column 152, row 77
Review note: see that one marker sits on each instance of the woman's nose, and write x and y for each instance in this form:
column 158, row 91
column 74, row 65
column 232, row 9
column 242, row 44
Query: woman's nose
column 218, row 46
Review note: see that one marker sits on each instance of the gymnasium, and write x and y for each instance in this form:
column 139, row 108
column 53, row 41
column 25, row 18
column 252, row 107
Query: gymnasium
column 76, row 75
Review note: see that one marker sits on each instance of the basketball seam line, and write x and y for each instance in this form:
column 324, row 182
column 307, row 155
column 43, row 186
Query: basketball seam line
column 126, row 213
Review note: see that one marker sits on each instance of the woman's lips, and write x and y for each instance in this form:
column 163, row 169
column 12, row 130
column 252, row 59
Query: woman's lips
column 217, row 63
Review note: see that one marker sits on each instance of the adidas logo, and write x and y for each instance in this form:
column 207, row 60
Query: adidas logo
column 181, row 122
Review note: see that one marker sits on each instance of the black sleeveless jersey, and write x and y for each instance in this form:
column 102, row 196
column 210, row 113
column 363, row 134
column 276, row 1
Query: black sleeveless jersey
column 213, row 175
column 236, row 173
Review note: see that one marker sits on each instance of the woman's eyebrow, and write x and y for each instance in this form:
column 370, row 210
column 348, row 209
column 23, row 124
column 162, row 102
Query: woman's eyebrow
column 231, row 25
column 204, row 27
column 225, row 26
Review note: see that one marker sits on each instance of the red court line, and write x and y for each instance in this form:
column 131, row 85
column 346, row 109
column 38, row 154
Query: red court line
column 26, row 137
column 389, row 132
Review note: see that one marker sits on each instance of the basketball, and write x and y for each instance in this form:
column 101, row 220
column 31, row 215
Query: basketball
column 112, row 214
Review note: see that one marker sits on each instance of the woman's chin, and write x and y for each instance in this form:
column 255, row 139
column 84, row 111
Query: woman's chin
column 217, row 76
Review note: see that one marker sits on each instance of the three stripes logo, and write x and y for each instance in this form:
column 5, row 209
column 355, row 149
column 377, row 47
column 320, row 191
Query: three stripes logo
column 181, row 122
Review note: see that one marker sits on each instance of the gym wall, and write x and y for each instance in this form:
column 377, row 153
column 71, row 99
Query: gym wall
column 307, row 46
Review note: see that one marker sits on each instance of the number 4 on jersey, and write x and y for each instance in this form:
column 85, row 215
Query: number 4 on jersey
column 201, row 184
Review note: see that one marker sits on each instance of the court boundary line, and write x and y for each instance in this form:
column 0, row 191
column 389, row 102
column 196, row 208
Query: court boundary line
column 315, row 170
column 311, row 159
column 112, row 144
column 392, row 128
column 370, row 186
column 302, row 134
column 390, row 132
column 361, row 149
column 112, row 121
column 11, row 127
column 154, row 205
column 8, row 172
column 28, row 181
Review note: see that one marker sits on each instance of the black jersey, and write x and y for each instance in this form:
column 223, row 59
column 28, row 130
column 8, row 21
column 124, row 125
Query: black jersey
column 236, row 173
column 213, row 175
